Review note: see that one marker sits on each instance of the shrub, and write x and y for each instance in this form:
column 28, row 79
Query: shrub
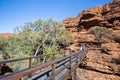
column 117, row 38
column 104, row 50
column 100, row 33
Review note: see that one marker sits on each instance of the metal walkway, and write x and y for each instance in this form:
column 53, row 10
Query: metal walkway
column 59, row 69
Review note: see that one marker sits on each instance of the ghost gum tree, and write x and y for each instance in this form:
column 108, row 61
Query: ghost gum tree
column 37, row 38
column 100, row 34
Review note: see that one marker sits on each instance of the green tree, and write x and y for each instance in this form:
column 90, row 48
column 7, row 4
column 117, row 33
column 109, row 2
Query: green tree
column 100, row 33
column 35, row 38
column 3, row 44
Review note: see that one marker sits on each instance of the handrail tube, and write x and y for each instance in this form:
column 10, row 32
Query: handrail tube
column 58, row 70
column 26, row 72
column 19, row 59
column 61, row 59
column 61, row 63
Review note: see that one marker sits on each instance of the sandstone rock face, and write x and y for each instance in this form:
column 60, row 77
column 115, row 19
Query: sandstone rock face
column 96, row 63
column 91, row 17
column 111, row 13
column 68, row 23
column 107, row 15
column 104, row 63
column 92, row 75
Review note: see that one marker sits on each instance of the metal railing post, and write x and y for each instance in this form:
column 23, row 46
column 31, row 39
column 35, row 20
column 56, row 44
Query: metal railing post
column 77, row 59
column 70, row 62
column 53, row 56
column 30, row 63
column 75, row 75
column 64, row 54
column 53, row 71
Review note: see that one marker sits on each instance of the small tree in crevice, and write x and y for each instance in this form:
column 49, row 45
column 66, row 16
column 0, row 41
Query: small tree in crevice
column 100, row 34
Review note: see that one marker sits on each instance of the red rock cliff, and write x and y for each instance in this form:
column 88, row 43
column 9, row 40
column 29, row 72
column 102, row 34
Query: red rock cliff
column 107, row 15
column 97, row 65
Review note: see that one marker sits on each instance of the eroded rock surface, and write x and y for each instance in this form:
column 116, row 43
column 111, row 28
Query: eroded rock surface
column 107, row 15
column 97, row 65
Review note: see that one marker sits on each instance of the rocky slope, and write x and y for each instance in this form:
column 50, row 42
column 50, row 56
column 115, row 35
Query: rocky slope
column 97, row 63
column 6, row 35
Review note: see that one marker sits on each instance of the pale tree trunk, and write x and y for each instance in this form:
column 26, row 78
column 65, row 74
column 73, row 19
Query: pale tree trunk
column 42, row 44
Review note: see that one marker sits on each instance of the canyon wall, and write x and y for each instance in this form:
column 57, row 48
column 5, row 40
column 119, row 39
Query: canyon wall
column 101, row 66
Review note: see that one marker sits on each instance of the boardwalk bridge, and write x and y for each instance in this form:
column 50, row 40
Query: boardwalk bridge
column 58, row 69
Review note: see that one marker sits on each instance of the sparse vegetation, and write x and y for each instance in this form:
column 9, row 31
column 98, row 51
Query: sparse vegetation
column 116, row 60
column 100, row 34
column 104, row 50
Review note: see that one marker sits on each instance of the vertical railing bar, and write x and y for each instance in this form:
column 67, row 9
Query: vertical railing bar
column 75, row 75
column 53, row 71
column 64, row 54
column 77, row 61
column 30, row 63
column 53, row 56
column 70, row 61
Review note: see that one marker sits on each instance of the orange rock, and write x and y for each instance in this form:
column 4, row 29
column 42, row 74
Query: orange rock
column 6, row 35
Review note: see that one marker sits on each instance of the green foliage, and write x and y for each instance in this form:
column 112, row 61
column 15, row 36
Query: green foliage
column 51, row 50
column 69, row 37
column 62, row 42
column 3, row 44
column 20, row 44
column 100, row 33
column 36, row 38
column 19, row 65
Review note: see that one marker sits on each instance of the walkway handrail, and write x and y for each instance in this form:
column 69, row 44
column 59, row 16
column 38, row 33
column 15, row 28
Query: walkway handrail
column 25, row 58
column 26, row 72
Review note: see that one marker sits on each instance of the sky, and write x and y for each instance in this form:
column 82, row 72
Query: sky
column 17, row 12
